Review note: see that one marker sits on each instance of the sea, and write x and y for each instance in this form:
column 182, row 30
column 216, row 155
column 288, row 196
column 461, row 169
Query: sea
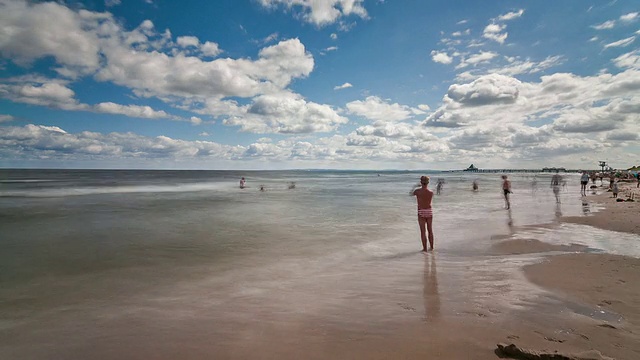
column 182, row 264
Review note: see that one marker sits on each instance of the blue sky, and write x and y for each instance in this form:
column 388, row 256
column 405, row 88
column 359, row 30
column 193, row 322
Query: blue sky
column 353, row 84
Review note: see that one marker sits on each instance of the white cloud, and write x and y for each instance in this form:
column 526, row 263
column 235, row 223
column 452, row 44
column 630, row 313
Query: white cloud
column 186, row 41
column 286, row 113
column 621, row 43
column 110, row 3
column 494, row 32
column 49, row 93
column 138, row 111
column 605, row 25
column 441, row 57
column 511, row 15
column 595, row 38
column 36, row 141
column 629, row 60
column 204, row 133
column 322, row 12
column 489, row 89
column 28, row 34
column 210, row 49
column 376, row 109
column 6, row 118
column 343, row 86
column 331, row 48
column 629, row 17
column 475, row 59
column 334, row 36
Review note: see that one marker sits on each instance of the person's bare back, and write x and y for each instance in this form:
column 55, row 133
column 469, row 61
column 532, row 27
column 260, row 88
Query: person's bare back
column 425, row 212
column 424, row 196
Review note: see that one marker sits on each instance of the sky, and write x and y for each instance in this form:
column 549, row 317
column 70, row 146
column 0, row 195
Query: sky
column 307, row 84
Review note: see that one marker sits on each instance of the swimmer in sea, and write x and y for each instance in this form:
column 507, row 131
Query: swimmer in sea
column 242, row 183
column 425, row 212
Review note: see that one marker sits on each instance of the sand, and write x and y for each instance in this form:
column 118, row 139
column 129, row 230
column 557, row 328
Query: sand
column 617, row 216
column 601, row 282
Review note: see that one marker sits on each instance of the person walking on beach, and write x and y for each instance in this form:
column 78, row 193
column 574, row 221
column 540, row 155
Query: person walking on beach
column 614, row 189
column 638, row 176
column 584, row 181
column 242, row 183
column 506, row 189
column 425, row 212
column 556, row 179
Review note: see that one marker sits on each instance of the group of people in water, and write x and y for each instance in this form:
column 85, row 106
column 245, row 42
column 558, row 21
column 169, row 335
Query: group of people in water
column 243, row 185
column 424, row 197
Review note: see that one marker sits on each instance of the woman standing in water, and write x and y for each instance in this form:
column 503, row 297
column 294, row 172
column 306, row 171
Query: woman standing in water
column 425, row 212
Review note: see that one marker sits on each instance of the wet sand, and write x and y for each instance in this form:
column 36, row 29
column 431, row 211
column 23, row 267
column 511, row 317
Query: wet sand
column 601, row 282
column 617, row 216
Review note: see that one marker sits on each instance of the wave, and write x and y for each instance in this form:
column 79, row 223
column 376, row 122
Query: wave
column 83, row 191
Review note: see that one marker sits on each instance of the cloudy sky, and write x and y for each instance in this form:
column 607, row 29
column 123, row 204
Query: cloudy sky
column 353, row 84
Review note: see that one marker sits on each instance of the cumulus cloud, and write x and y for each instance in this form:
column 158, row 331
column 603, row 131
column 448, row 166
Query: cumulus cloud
column 37, row 141
column 441, row 57
column 50, row 93
column 286, row 113
column 28, row 34
column 130, row 110
column 186, row 41
column 487, row 90
column 343, row 86
column 376, row 109
column 210, row 49
column 494, row 32
column 322, row 12
column 145, row 61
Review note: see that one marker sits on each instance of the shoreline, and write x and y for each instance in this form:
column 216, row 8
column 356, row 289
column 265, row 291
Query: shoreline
column 616, row 216
column 605, row 284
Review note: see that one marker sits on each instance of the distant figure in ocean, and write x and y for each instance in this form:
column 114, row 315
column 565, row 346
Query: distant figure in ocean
column 425, row 213
column 614, row 189
column 439, row 186
column 506, row 189
column 474, row 186
column 556, row 179
column 261, row 187
column 242, row 183
column 534, row 185
column 584, row 181
column 292, row 185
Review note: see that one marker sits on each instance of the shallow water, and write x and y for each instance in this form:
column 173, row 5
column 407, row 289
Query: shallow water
column 135, row 257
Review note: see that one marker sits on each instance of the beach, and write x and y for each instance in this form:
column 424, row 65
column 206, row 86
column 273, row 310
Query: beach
column 175, row 265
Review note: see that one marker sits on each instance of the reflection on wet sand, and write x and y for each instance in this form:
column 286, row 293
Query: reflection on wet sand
column 509, row 218
column 558, row 210
column 431, row 294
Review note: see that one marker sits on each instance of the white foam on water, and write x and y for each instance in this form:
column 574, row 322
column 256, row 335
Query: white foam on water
column 83, row 191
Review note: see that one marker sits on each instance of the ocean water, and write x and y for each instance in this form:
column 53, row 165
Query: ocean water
column 169, row 263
